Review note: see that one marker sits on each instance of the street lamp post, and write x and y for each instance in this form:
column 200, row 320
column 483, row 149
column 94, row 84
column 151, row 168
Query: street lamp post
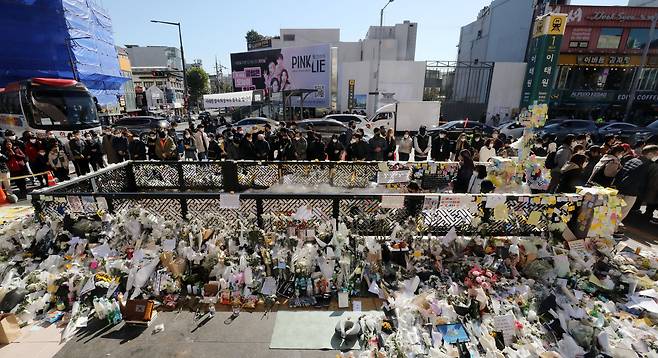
column 182, row 55
column 379, row 53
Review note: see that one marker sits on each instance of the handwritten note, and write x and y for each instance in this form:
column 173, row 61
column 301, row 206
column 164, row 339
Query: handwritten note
column 392, row 202
column 431, row 202
column 505, row 324
column 577, row 246
column 356, row 306
column 343, row 300
column 229, row 201
column 269, row 286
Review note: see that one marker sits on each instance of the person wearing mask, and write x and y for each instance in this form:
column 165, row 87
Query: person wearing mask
column 498, row 143
column 136, row 147
column 151, row 141
column 405, row 147
column 120, row 145
column 16, row 165
column 609, row 142
column 347, row 139
column 464, row 173
column 582, row 139
column 165, row 147
column 633, row 179
column 189, row 146
column 108, row 148
column 606, row 169
column 301, row 145
column 31, row 149
column 593, row 156
column 391, row 145
column 215, row 148
column 335, row 149
column 247, row 151
column 4, row 170
column 201, row 142
column 59, row 163
column 571, row 174
column 477, row 143
column 261, row 147
column 358, row 149
column 80, row 162
column 239, row 133
column 538, row 148
column 650, row 194
column 487, row 151
column 40, row 165
column 442, row 148
column 422, row 144
column 286, row 146
column 232, row 147
column 94, row 151
column 377, row 146
column 561, row 157
column 50, row 141
column 462, row 143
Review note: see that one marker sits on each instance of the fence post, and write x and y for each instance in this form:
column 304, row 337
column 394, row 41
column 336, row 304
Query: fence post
column 130, row 177
column 259, row 212
column 336, row 209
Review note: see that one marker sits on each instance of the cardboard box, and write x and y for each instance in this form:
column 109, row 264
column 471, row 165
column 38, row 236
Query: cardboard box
column 10, row 330
column 138, row 310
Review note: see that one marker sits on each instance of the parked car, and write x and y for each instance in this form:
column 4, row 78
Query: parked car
column 512, row 129
column 626, row 131
column 142, row 125
column 563, row 128
column 649, row 134
column 328, row 127
column 347, row 118
column 455, row 128
column 249, row 124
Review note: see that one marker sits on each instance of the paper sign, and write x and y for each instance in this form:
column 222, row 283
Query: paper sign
column 533, row 218
column 494, row 200
column 110, row 290
column 89, row 286
column 356, row 306
column 101, row 203
column 577, row 245
column 138, row 255
column 450, row 236
column 561, row 263
column 269, row 286
column 304, row 213
column 382, row 166
column 343, row 300
column 501, row 212
column 431, row 202
column 392, row 202
column 398, row 176
column 505, row 324
column 169, row 245
column 229, row 201
column 454, row 201
column 75, row 203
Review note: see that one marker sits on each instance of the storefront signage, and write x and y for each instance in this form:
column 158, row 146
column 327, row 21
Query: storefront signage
column 618, row 16
column 604, row 60
column 605, row 15
column 607, row 96
column 350, row 94
column 543, row 59
column 223, row 100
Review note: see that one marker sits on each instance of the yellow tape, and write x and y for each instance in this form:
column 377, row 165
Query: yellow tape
column 28, row 176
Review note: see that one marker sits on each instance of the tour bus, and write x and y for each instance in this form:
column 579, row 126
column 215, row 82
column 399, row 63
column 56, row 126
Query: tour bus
column 47, row 104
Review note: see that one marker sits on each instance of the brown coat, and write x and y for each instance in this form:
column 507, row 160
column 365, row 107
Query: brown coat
column 166, row 150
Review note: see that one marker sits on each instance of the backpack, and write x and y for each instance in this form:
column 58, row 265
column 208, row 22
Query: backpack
column 551, row 161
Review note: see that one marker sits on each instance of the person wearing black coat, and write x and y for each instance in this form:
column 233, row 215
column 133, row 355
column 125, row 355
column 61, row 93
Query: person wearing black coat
column 136, row 148
column 77, row 147
column 464, row 173
column 261, row 147
column 316, row 150
column 94, row 151
column 633, row 179
column 335, row 149
column 247, row 150
column 357, row 150
column 441, row 147
column 571, row 174
column 150, row 145
column 120, row 145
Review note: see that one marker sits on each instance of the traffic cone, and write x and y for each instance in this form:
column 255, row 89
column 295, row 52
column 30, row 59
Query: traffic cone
column 3, row 197
column 51, row 179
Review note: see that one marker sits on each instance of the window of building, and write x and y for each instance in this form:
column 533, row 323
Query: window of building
column 288, row 37
column 610, row 37
column 649, row 79
column 637, row 39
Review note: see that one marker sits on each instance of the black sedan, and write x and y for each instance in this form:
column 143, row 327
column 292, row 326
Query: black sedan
column 563, row 128
column 142, row 125
column 455, row 128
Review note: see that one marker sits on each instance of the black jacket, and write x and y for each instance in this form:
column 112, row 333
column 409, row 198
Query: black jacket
column 377, row 148
column 464, row 174
column 261, row 149
column 315, row 150
column 571, row 177
column 334, row 150
column 633, row 177
column 358, row 151
column 137, row 149
column 77, row 149
column 441, row 149
column 247, row 151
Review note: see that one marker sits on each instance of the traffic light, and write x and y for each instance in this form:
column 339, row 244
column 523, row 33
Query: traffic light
column 158, row 73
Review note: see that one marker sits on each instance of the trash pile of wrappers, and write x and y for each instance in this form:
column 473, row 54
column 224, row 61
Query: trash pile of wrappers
column 443, row 296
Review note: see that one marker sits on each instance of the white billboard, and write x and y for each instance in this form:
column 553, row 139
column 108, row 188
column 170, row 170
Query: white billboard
column 223, row 100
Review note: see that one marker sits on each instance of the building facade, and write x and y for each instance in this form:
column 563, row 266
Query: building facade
column 647, row 3
column 601, row 53
column 402, row 77
column 161, row 67
column 127, row 99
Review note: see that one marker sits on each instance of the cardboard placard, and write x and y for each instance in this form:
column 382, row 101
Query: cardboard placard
column 9, row 328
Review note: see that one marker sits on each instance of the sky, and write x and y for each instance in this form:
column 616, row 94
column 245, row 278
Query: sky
column 217, row 27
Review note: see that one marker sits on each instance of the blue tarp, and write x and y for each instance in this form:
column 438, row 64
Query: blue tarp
column 36, row 35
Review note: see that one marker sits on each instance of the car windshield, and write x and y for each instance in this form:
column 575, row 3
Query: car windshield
column 58, row 107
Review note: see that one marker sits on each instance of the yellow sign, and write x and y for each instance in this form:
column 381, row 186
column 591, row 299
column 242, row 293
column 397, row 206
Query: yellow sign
column 550, row 24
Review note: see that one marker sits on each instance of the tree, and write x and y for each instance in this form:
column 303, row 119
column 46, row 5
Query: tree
column 197, row 83
column 253, row 36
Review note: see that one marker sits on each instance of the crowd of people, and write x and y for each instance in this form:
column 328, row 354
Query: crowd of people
column 577, row 161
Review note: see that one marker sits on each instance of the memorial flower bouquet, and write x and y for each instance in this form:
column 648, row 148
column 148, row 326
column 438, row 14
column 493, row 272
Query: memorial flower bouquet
column 480, row 278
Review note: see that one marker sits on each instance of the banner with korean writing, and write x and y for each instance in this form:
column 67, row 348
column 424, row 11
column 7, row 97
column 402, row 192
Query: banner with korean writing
column 223, row 100
column 544, row 51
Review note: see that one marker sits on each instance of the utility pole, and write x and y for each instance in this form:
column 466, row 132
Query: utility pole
column 379, row 54
column 638, row 72
column 217, row 74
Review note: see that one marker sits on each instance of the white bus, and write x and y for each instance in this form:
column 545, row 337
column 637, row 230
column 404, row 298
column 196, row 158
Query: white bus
column 47, row 104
